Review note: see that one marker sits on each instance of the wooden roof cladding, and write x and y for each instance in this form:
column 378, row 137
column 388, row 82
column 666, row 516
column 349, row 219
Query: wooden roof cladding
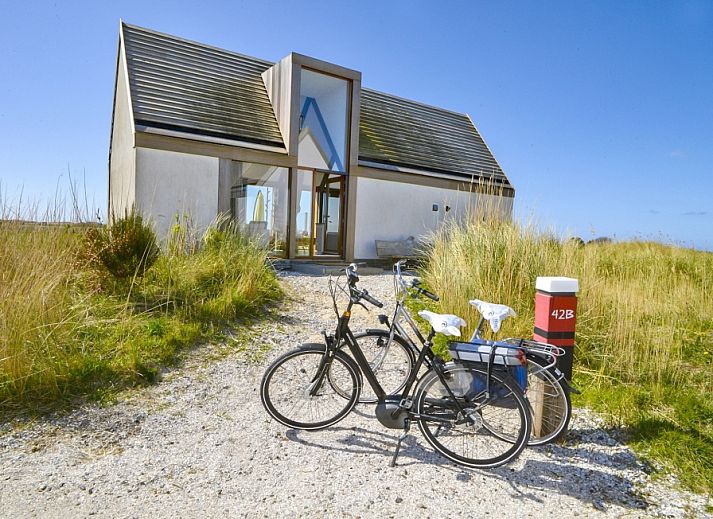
column 189, row 87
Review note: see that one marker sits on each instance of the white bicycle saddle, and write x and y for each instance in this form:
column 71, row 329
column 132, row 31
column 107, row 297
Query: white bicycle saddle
column 494, row 313
column 447, row 324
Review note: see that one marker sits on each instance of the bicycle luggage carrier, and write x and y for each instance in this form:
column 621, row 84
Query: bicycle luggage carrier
column 481, row 351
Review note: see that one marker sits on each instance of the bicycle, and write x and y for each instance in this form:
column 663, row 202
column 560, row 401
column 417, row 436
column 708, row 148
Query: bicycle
column 547, row 390
column 475, row 417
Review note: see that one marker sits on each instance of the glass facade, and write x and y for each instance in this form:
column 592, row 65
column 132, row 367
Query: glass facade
column 324, row 121
column 320, row 206
column 259, row 203
column 303, row 216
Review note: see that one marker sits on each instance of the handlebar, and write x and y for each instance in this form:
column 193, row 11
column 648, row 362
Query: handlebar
column 365, row 295
column 422, row 291
column 428, row 294
column 353, row 279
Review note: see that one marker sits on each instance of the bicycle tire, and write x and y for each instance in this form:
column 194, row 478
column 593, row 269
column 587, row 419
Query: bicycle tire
column 550, row 402
column 392, row 369
column 291, row 375
column 435, row 406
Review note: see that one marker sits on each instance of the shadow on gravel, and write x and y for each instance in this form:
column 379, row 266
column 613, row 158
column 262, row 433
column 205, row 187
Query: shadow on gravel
column 571, row 469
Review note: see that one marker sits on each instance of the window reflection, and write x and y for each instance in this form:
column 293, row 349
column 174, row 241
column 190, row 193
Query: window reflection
column 259, row 203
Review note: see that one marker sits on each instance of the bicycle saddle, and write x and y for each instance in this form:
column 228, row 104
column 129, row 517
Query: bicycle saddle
column 493, row 313
column 447, row 324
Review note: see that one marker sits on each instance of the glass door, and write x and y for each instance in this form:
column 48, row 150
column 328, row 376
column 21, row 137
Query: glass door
column 320, row 213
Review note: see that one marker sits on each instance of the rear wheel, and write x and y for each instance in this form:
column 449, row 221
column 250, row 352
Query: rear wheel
column 550, row 402
column 296, row 391
column 391, row 362
column 486, row 431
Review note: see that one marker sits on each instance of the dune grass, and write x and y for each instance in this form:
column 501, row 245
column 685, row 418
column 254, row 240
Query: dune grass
column 67, row 331
column 644, row 353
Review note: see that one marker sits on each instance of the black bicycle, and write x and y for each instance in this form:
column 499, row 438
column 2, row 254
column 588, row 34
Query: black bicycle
column 473, row 414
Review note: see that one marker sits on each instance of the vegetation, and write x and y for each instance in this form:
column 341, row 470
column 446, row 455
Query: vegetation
column 644, row 352
column 74, row 322
column 125, row 249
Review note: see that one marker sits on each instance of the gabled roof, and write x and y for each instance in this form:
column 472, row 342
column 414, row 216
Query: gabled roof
column 403, row 133
column 185, row 86
column 180, row 85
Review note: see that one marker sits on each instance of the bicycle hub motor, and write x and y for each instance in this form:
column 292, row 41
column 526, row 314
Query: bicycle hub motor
column 390, row 413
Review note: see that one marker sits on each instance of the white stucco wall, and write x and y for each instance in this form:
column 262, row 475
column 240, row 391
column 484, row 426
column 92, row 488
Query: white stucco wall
column 394, row 211
column 170, row 183
column 121, row 162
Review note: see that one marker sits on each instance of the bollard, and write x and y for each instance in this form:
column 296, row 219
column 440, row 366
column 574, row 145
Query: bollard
column 556, row 316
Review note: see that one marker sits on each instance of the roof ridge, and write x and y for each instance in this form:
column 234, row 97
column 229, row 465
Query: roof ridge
column 421, row 103
column 194, row 42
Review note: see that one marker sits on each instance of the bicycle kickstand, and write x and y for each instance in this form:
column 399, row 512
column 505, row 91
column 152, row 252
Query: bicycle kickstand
column 402, row 436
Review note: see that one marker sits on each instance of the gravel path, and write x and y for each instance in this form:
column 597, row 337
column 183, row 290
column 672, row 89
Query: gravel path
column 200, row 444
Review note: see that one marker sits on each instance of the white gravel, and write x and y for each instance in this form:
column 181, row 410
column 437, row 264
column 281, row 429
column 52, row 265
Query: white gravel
column 200, row 444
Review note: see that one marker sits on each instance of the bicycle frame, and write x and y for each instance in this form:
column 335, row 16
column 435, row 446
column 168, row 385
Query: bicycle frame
column 425, row 355
column 344, row 333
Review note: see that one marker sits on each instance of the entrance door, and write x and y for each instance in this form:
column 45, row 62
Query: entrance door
column 320, row 213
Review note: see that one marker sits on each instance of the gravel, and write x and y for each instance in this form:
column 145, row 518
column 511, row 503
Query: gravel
column 200, row 444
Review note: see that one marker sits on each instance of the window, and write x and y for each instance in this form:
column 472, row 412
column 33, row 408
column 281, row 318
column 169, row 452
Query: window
column 324, row 119
column 259, row 203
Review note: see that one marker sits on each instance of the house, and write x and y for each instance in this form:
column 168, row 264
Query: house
column 296, row 151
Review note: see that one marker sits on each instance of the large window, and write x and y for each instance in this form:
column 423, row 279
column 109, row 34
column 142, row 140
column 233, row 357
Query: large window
column 324, row 121
column 259, row 203
column 320, row 205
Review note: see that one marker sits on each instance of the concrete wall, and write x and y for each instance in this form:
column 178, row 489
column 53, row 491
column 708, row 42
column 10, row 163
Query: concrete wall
column 170, row 183
column 121, row 161
column 394, row 211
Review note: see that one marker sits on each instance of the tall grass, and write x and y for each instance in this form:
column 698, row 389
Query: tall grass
column 67, row 330
column 644, row 330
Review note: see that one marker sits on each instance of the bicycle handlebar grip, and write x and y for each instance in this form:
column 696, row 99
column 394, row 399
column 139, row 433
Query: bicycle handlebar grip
column 430, row 295
column 371, row 300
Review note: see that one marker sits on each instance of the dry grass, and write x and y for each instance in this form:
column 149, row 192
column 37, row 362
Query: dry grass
column 68, row 331
column 644, row 331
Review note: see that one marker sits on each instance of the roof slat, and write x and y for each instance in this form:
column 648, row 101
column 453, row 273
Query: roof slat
column 179, row 84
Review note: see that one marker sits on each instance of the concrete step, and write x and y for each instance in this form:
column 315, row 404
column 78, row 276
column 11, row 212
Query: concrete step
column 321, row 269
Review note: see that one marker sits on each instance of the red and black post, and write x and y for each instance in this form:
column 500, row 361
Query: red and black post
column 556, row 316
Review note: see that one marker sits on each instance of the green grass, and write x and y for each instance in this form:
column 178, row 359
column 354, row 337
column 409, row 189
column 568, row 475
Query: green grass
column 68, row 332
column 644, row 354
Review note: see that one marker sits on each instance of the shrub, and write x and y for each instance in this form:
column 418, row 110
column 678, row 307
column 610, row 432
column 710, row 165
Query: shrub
column 126, row 248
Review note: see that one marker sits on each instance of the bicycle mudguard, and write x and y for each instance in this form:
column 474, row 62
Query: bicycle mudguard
column 567, row 385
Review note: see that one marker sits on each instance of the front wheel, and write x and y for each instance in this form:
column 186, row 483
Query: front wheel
column 296, row 391
column 474, row 429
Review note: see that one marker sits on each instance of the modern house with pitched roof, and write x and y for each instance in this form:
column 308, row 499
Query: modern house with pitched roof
column 296, row 151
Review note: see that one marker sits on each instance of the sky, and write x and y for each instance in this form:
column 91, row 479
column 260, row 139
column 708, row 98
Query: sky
column 600, row 113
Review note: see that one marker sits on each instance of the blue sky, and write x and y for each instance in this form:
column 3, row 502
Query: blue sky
column 601, row 113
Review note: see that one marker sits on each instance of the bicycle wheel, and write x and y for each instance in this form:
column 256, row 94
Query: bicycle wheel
column 468, row 437
column 550, row 402
column 287, row 384
column 391, row 363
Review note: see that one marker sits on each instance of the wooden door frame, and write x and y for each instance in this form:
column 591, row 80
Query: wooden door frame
column 343, row 181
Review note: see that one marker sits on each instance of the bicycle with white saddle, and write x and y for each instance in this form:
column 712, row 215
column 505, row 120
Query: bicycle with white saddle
column 475, row 417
